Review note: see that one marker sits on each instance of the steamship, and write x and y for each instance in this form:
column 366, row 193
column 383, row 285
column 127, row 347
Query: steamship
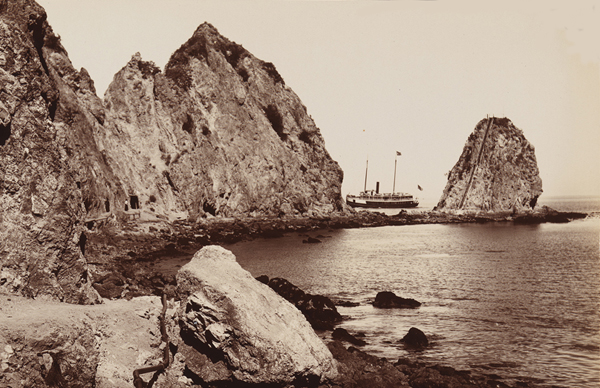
column 374, row 199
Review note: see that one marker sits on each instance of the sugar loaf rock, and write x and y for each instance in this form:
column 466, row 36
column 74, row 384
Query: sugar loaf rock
column 496, row 172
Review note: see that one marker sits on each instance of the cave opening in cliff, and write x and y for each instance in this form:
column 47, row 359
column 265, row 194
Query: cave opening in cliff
column 209, row 208
column 82, row 241
column 107, row 205
column 276, row 121
column 189, row 125
column 134, row 202
column 5, row 133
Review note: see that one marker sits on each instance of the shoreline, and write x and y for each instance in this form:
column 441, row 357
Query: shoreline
column 123, row 264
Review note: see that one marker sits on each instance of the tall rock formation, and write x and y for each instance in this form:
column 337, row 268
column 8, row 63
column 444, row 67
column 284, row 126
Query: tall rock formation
column 497, row 171
column 217, row 133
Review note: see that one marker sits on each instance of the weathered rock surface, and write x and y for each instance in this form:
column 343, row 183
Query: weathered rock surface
column 52, row 175
column 496, row 172
column 218, row 133
column 64, row 345
column 387, row 299
column 241, row 322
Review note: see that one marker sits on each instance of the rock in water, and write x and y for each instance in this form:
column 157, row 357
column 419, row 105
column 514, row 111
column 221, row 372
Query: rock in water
column 497, row 172
column 236, row 319
column 387, row 299
column 415, row 338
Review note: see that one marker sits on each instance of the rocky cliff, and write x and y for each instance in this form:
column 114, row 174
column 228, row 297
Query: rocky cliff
column 52, row 175
column 496, row 172
column 217, row 134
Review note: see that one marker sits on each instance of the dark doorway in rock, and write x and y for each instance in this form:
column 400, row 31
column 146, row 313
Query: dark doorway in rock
column 82, row 241
column 5, row 133
column 107, row 205
column 209, row 208
column 134, row 202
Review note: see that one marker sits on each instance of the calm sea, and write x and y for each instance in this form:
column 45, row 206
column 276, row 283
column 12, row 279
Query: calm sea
column 518, row 301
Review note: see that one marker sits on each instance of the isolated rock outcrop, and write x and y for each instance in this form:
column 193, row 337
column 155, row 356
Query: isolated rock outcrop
column 244, row 324
column 497, row 172
column 218, row 133
column 415, row 338
column 387, row 300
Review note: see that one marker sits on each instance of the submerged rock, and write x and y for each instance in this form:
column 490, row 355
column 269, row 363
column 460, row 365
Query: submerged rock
column 387, row 299
column 496, row 172
column 415, row 338
column 235, row 319
column 341, row 334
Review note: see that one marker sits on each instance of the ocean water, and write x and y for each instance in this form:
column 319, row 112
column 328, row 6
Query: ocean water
column 518, row 301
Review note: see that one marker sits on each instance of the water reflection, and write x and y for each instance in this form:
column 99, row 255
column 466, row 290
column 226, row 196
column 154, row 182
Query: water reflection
column 517, row 300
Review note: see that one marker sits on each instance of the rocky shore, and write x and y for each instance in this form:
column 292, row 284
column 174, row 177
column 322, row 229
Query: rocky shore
column 221, row 328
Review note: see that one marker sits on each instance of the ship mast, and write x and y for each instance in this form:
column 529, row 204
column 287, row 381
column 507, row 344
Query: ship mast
column 395, row 165
column 366, row 171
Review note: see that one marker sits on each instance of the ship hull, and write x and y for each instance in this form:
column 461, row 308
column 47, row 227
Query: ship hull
column 359, row 202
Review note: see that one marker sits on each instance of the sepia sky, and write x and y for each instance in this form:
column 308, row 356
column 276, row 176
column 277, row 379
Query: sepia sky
column 385, row 76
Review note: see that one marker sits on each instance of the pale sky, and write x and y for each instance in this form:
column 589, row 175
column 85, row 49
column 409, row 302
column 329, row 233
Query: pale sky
column 385, row 76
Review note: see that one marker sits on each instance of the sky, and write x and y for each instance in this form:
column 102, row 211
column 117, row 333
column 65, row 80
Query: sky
column 384, row 76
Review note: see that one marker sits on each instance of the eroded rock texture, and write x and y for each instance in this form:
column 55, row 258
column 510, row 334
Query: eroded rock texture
column 497, row 171
column 51, row 174
column 241, row 322
column 218, row 133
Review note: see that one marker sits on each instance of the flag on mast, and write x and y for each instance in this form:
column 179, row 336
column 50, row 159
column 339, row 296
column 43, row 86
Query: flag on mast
column 398, row 153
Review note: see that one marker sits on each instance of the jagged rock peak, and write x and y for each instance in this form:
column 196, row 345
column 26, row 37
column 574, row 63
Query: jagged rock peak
column 217, row 134
column 206, row 39
column 496, row 172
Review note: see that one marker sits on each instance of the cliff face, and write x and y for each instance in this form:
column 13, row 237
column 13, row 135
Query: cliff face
column 219, row 133
column 497, row 171
column 52, row 175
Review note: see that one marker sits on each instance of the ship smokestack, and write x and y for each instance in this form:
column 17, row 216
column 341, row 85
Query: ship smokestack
column 377, row 188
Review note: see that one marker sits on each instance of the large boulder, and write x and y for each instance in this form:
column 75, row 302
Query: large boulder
column 497, row 172
column 237, row 320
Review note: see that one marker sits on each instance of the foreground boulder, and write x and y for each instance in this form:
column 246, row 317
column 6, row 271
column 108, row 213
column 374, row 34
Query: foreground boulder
column 387, row 299
column 496, row 172
column 241, row 323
